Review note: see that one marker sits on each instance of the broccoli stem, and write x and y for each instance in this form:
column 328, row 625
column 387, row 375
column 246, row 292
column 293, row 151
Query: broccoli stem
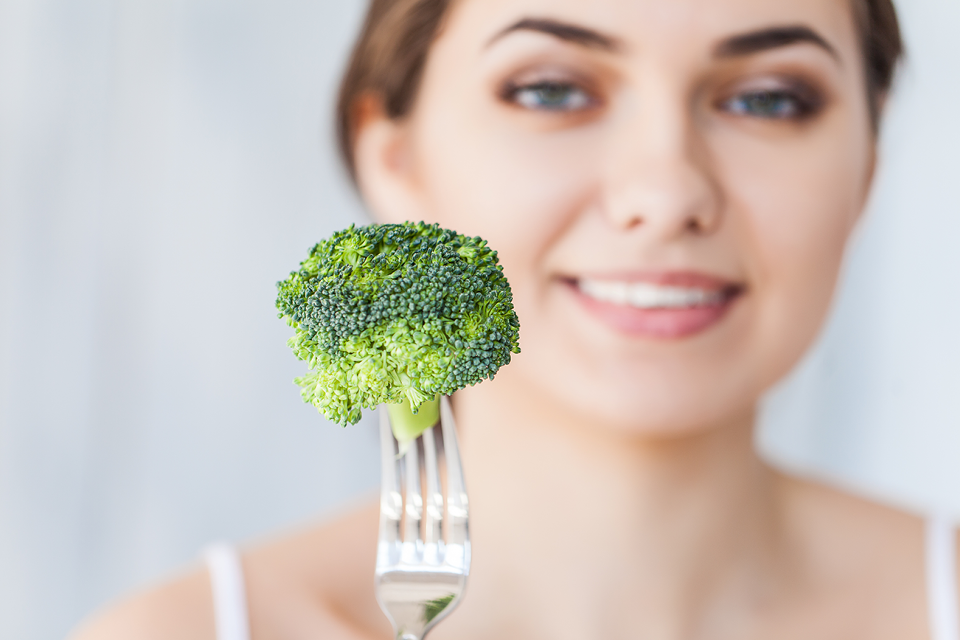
column 407, row 425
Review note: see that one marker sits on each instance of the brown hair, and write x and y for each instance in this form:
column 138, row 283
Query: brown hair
column 391, row 52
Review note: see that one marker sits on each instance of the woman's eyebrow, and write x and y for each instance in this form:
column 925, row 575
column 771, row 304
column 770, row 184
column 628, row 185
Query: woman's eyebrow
column 564, row 31
column 771, row 38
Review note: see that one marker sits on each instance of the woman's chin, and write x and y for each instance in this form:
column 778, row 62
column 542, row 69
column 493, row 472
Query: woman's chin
column 617, row 406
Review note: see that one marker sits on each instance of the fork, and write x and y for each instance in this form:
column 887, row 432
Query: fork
column 420, row 577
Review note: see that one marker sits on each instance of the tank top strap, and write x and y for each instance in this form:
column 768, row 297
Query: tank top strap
column 943, row 599
column 229, row 594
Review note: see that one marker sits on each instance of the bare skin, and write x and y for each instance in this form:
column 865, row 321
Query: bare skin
column 856, row 584
column 614, row 487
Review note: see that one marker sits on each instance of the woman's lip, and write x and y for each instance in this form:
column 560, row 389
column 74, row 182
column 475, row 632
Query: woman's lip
column 661, row 323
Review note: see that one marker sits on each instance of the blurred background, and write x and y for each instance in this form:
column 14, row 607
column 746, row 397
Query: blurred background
column 163, row 163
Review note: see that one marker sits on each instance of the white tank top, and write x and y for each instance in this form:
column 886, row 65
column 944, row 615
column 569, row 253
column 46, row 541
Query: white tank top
column 943, row 600
column 229, row 592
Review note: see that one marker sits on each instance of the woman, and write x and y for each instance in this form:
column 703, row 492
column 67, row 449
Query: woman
column 670, row 186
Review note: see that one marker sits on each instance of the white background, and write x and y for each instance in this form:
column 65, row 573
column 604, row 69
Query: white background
column 163, row 163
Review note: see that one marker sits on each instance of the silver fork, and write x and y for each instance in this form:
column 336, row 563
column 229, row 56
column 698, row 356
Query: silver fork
column 421, row 576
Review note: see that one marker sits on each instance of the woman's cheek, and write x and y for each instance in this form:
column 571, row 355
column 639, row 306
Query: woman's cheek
column 799, row 212
column 516, row 189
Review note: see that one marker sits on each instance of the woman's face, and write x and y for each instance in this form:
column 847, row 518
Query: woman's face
column 669, row 184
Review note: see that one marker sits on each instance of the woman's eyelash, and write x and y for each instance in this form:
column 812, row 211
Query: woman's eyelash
column 566, row 96
column 772, row 104
column 548, row 95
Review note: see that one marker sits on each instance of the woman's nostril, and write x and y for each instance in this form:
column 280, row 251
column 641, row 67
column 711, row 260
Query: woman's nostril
column 702, row 224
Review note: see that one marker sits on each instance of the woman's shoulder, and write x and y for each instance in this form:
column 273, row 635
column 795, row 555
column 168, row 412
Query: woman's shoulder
column 843, row 527
column 892, row 553
column 180, row 608
column 858, row 517
column 318, row 581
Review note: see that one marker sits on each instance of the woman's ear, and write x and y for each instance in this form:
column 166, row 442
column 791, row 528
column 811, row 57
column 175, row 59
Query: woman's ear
column 384, row 165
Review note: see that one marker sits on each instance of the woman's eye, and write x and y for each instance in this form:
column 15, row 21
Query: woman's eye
column 550, row 96
column 772, row 104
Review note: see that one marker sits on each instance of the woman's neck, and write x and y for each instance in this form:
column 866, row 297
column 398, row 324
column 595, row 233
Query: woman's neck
column 576, row 528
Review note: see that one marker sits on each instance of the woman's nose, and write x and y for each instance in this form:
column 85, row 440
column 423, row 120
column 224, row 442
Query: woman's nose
column 660, row 181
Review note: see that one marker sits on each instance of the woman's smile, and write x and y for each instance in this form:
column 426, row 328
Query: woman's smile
column 656, row 305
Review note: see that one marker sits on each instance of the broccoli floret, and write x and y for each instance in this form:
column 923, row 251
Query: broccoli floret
column 397, row 314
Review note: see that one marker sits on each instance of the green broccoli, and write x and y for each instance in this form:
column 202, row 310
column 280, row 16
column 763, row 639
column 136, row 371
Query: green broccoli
column 436, row 606
column 397, row 314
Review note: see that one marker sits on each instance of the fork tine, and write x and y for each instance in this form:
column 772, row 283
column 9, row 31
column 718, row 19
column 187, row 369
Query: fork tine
column 418, row 584
column 391, row 501
column 414, row 503
column 457, row 526
column 432, row 531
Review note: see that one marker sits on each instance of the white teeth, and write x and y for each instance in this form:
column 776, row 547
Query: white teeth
column 644, row 295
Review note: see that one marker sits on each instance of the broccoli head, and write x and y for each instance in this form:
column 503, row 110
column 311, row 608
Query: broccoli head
column 397, row 314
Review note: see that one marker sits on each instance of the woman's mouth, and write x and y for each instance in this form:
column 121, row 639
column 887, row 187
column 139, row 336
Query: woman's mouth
column 664, row 306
